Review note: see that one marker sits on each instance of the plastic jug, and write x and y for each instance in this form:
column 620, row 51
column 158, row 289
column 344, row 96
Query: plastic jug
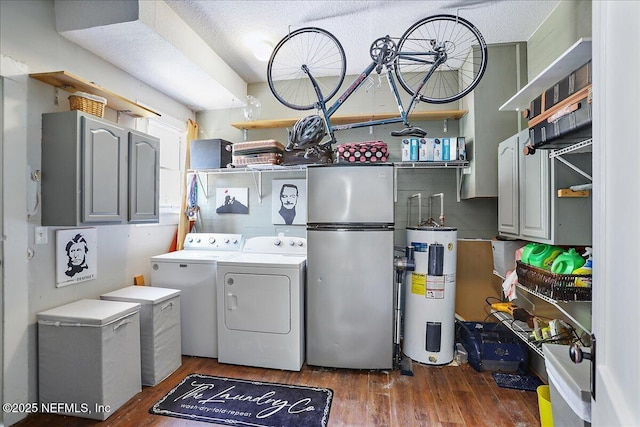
column 542, row 256
column 527, row 250
column 567, row 262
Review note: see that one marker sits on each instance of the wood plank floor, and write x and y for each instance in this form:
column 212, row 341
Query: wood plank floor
column 434, row 396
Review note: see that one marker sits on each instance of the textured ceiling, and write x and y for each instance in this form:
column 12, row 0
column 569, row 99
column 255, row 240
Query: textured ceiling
column 224, row 24
column 195, row 52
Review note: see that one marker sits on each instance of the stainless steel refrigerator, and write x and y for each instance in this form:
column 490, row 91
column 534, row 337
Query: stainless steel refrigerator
column 349, row 300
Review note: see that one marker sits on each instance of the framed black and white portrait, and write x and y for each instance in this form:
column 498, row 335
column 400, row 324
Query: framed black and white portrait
column 289, row 201
column 76, row 256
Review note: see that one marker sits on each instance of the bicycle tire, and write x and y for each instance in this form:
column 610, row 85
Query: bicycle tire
column 321, row 52
column 466, row 62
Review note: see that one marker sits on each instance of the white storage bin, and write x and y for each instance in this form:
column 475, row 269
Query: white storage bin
column 504, row 258
column 89, row 357
column 160, row 349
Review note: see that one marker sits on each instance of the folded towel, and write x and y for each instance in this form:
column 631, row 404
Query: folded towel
column 509, row 286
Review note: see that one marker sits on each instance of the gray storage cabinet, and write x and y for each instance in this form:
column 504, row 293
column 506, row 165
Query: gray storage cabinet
column 89, row 357
column 95, row 172
column 528, row 206
column 160, row 344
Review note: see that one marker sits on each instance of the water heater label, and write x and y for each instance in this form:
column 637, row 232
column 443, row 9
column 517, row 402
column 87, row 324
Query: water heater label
column 435, row 287
column 418, row 283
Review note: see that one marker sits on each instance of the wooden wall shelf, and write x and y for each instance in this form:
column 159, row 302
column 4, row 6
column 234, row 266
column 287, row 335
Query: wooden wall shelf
column 341, row 120
column 70, row 83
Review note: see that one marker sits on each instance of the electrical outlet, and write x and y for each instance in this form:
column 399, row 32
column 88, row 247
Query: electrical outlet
column 41, row 237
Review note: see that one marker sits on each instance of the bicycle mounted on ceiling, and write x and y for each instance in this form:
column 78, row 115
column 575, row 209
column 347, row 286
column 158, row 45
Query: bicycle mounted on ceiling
column 439, row 59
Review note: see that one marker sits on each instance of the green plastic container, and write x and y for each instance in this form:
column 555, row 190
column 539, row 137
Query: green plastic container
column 542, row 256
column 527, row 250
column 567, row 262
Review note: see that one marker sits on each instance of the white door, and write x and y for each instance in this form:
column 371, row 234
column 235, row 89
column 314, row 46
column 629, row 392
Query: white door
column 2, row 205
column 616, row 203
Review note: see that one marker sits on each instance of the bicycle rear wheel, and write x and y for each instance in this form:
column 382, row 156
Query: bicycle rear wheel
column 459, row 43
column 322, row 54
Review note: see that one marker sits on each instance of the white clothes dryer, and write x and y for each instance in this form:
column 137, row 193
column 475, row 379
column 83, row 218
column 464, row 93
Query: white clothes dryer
column 193, row 271
column 261, row 304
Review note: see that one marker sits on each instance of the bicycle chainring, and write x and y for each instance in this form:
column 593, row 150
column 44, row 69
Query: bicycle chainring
column 383, row 50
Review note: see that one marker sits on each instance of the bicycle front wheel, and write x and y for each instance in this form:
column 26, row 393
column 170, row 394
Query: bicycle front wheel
column 460, row 46
column 317, row 50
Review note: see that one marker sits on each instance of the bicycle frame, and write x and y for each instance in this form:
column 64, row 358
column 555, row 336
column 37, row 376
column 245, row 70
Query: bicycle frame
column 357, row 83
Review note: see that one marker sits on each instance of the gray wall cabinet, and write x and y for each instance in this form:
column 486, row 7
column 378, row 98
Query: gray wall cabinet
column 484, row 126
column 144, row 177
column 508, row 186
column 528, row 205
column 95, row 172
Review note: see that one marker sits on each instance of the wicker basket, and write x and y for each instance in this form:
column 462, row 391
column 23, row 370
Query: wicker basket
column 560, row 287
column 88, row 103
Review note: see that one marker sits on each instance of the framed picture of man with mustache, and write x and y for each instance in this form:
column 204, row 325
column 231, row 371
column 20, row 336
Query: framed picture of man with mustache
column 76, row 256
column 289, row 201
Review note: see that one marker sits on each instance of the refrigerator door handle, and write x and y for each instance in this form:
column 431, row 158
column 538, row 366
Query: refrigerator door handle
column 350, row 227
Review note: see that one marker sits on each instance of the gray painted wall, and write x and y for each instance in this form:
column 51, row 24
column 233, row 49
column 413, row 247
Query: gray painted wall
column 30, row 44
column 569, row 22
column 474, row 218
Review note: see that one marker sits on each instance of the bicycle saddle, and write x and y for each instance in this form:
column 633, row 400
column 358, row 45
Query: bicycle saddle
column 409, row 131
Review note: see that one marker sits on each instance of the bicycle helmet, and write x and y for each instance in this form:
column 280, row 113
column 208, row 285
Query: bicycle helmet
column 307, row 131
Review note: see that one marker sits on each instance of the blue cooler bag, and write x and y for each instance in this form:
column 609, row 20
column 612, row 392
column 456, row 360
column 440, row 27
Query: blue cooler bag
column 492, row 347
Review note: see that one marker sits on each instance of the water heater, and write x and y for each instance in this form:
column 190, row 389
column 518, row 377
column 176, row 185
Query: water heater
column 430, row 296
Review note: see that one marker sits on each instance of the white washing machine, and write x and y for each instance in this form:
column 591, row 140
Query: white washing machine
column 193, row 271
column 261, row 304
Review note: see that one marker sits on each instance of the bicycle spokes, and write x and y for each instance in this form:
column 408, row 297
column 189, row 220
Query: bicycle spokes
column 323, row 57
column 453, row 46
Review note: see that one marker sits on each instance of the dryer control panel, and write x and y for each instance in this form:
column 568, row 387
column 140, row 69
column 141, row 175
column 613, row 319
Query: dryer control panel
column 276, row 245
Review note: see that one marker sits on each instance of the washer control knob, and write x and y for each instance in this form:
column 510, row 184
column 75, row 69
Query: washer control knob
column 212, row 240
column 190, row 239
column 291, row 243
column 234, row 241
column 277, row 242
column 300, row 243
column 226, row 240
column 198, row 240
